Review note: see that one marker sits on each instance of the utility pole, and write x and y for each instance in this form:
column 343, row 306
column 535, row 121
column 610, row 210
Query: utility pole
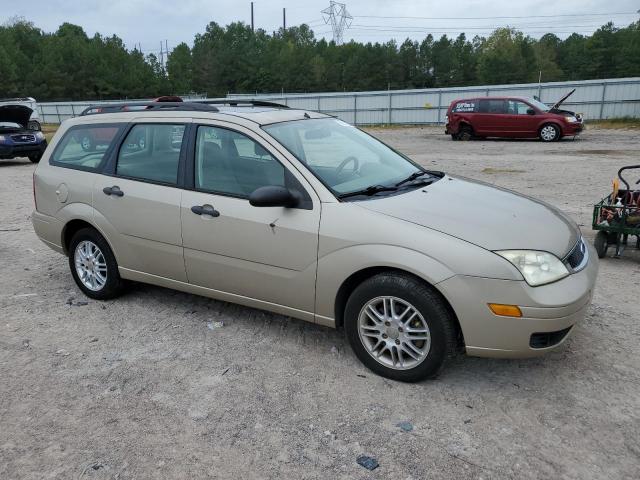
column 161, row 55
column 284, row 18
column 337, row 15
column 252, row 26
column 166, row 49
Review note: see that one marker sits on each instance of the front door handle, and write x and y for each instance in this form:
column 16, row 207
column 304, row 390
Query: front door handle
column 115, row 190
column 205, row 210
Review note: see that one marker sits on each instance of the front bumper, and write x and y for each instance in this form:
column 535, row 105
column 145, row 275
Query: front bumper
column 22, row 150
column 573, row 128
column 555, row 307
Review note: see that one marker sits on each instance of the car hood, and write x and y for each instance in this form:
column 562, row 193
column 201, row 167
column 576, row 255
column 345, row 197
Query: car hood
column 561, row 101
column 15, row 114
column 490, row 217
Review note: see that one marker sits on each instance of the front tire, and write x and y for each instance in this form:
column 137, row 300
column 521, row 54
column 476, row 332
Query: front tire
column 601, row 243
column 93, row 265
column 549, row 133
column 399, row 327
column 465, row 134
column 35, row 158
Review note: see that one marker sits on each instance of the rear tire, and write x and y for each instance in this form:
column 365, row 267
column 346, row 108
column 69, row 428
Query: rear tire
column 549, row 133
column 465, row 134
column 93, row 265
column 376, row 314
column 601, row 243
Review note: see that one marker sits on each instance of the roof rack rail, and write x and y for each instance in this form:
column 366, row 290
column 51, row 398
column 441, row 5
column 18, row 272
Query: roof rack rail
column 145, row 106
column 235, row 102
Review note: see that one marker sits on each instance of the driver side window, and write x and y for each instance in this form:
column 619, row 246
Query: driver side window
column 229, row 162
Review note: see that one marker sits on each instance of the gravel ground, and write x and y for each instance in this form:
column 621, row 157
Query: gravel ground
column 141, row 387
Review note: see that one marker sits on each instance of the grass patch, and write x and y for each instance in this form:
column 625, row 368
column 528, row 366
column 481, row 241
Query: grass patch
column 49, row 130
column 494, row 171
column 611, row 123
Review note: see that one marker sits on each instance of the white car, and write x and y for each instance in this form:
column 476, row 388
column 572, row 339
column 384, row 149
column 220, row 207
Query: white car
column 34, row 120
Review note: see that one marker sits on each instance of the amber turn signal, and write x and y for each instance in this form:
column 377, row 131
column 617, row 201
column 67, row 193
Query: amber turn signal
column 505, row 310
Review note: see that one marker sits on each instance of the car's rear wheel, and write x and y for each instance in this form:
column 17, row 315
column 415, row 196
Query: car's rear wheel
column 601, row 243
column 549, row 133
column 35, row 158
column 93, row 265
column 465, row 134
column 399, row 327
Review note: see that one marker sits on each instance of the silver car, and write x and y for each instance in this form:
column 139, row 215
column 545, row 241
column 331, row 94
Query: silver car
column 302, row 214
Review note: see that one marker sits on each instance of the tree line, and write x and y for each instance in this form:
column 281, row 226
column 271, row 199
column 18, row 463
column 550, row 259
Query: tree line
column 69, row 65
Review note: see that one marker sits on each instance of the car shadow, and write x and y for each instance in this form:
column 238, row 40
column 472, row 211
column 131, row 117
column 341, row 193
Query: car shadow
column 14, row 163
column 460, row 370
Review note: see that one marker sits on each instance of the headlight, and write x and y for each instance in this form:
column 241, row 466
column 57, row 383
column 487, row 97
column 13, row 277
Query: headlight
column 2, row 137
column 537, row 268
column 40, row 135
column 446, row 119
column 571, row 119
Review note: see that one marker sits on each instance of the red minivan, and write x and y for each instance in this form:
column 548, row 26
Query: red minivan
column 511, row 117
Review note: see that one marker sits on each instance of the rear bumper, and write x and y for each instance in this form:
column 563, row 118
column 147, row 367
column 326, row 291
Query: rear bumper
column 49, row 230
column 13, row 151
column 549, row 312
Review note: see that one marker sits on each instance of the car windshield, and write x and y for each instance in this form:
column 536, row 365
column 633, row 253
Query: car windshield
column 538, row 104
column 344, row 158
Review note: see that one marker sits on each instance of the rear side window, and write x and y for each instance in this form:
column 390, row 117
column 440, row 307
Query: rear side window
column 151, row 152
column 84, row 147
column 492, row 106
column 466, row 106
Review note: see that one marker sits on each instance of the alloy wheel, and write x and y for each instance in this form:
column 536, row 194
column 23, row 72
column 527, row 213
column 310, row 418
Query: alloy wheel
column 394, row 332
column 91, row 265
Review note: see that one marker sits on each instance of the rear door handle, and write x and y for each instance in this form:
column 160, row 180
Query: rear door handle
column 205, row 210
column 115, row 190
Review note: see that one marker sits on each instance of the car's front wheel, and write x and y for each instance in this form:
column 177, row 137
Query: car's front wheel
column 93, row 265
column 399, row 327
column 35, row 158
column 549, row 133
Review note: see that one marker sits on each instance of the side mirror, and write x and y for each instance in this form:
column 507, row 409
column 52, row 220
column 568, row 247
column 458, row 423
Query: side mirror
column 531, row 111
column 273, row 196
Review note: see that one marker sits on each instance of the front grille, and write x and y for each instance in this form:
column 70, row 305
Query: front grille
column 548, row 339
column 576, row 259
column 23, row 138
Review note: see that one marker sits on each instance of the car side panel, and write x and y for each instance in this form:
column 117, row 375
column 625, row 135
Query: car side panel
column 143, row 225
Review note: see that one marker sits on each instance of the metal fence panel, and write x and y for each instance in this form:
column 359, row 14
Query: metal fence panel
column 596, row 99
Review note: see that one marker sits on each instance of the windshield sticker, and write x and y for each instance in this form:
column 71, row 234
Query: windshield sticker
column 465, row 107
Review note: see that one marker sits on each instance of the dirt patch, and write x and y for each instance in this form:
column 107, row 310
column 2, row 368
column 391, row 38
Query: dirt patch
column 496, row 171
column 143, row 387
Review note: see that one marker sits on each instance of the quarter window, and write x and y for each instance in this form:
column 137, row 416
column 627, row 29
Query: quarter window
column 151, row 152
column 84, row 147
column 231, row 163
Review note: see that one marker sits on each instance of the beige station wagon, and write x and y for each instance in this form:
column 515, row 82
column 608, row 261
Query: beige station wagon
column 302, row 214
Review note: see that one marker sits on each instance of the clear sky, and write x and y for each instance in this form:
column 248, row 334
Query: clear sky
column 147, row 22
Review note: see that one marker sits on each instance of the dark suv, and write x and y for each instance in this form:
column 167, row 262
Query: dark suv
column 16, row 139
column 512, row 117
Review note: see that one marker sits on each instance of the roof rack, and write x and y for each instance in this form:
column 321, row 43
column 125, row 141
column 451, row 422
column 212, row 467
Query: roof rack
column 235, row 102
column 145, row 106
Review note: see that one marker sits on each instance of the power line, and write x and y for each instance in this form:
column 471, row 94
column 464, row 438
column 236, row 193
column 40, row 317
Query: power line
column 506, row 16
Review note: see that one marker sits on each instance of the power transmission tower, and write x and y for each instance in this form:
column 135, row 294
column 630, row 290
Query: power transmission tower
column 337, row 15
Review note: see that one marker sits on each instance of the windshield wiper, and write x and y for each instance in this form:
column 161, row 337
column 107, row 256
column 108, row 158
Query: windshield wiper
column 372, row 190
column 412, row 177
